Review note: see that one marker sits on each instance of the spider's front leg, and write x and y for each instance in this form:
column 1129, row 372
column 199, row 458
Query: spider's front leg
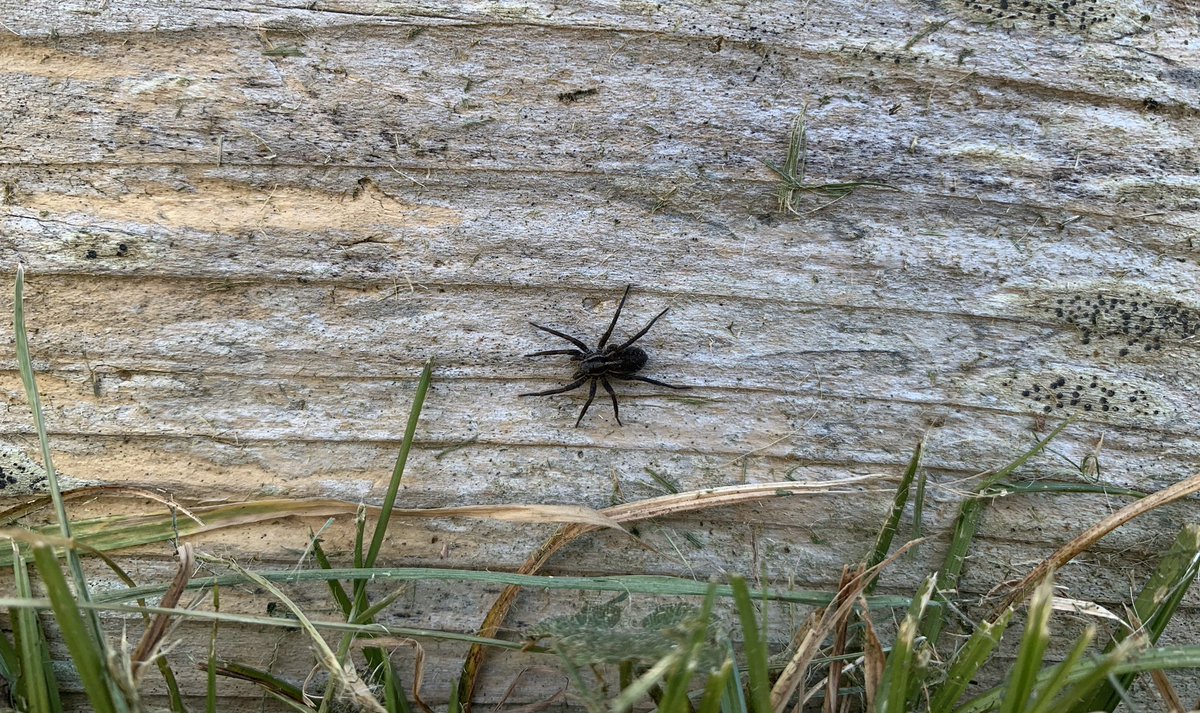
column 560, row 390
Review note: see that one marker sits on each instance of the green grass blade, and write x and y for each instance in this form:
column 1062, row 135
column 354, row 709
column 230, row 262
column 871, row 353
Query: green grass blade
column 641, row 687
column 10, row 660
column 1154, row 606
column 658, row 585
column 174, row 695
column 897, row 673
column 25, row 365
column 335, row 587
column 1099, row 678
column 968, row 661
column 210, row 702
column 734, row 699
column 1025, row 670
column 1048, row 689
column 87, row 656
column 883, row 543
column 675, row 692
column 966, row 526
column 410, row 432
column 454, row 705
column 918, row 523
column 263, row 679
column 1121, row 661
column 716, row 688
column 754, row 646
column 30, row 642
column 393, row 692
column 1041, row 486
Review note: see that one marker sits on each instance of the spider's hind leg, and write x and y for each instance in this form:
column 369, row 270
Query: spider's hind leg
column 591, row 396
column 616, row 411
column 653, row 381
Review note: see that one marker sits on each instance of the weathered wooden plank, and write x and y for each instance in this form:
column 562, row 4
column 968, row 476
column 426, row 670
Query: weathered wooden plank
column 248, row 226
column 293, row 111
column 353, row 226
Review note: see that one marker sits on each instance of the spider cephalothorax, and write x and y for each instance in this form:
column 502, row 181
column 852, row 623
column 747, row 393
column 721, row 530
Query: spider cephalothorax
column 605, row 362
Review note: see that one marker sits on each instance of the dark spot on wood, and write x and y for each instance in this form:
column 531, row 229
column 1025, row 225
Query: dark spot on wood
column 578, row 94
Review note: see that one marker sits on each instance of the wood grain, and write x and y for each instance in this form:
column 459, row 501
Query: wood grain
column 247, row 227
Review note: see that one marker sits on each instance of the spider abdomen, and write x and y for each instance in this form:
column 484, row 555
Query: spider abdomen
column 622, row 362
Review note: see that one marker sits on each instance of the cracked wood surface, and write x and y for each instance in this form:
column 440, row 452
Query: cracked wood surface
column 247, row 226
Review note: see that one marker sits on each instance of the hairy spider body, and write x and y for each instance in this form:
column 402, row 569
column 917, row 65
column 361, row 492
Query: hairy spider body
column 606, row 361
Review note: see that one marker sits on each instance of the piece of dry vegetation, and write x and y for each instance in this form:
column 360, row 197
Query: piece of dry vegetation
column 704, row 649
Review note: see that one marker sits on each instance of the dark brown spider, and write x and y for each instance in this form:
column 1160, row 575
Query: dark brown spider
column 604, row 362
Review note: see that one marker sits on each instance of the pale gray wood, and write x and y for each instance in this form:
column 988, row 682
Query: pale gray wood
column 247, row 227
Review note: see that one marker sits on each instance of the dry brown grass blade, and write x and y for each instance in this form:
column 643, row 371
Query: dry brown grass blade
column 152, row 638
column 234, row 514
column 93, row 491
column 573, row 514
column 796, row 670
column 874, row 660
column 1092, row 535
column 631, row 512
column 833, row 680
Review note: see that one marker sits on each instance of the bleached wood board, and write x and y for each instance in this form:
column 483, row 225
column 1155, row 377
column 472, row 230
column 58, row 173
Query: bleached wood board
column 247, row 228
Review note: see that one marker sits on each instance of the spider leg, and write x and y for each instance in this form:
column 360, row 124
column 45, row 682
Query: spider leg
column 642, row 333
column 575, row 353
column 651, row 381
column 567, row 337
column 608, row 332
column 560, row 390
column 608, row 387
column 591, row 396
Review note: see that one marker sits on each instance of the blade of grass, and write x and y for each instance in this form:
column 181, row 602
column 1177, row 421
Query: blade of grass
column 1154, row 606
column 1006, row 487
column 1032, row 652
column 641, row 687
column 30, row 641
column 659, row 585
column 966, row 526
column 335, row 587
column 410, row 432
column 1098, row 678
column 1048, row 690
column 969, row 659
column 1088, row 674
column 715, row 688
column 25, row 365
column 675, row 691
column 86, row 654
column 263, row 679
column 375, row 657
column 734, row 698
column 690, row 501
column 754, row 647
column 211, row 677
column 341, row 677
column 892, row 524
column 893, row 691
column 918, row 524
column 393, row 693
column 1093, row 534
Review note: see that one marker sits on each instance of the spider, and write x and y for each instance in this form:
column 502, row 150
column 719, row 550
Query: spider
column 604, row 362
